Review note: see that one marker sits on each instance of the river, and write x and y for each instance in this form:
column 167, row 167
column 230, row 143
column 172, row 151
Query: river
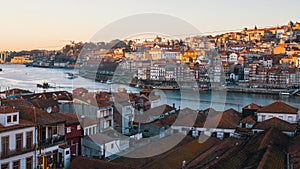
column 19, row 76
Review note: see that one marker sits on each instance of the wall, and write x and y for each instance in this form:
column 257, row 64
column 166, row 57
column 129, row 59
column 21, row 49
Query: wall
column 280, row 116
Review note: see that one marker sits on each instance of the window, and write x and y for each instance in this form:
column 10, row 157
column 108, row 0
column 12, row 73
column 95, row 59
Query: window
column 86, row 132
column 290, row 118
column 5, row 145
column 112, row 146
column 263, row 117
column 94, row 130
column 67, row 152
column 54, row 130
column 73, row 142
column 109, row 123
column 90, row 131
column 15, row 118
column 29, row 163
column 29, row 139
column 68, row 129
column 5, row 166
column 19, row 141
column 8, row 119
column 78, row 127
column 281, row 117
column 16, row 164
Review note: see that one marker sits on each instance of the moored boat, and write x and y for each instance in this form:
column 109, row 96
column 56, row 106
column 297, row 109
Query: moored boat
column 44, row 85
column 70, row 75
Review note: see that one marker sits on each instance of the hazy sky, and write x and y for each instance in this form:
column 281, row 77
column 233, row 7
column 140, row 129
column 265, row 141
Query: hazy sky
column 49, row 24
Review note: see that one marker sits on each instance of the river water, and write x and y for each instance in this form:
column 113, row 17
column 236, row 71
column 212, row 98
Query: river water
column 19, row 76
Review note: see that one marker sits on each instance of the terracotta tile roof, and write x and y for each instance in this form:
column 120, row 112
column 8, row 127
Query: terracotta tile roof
column 16, row 103
column 277, row 123
column 80, row 90
column 16, row 91
column 260, row 151
column 187, row 149
column 252, row 106
column 39, row 116
column 22, row 124
column 229, row 119
column 156, row 111
column 85, row 162
column 249, row 119
column 44, row 103
column 278, row 107
column 7, row 109
column 93, row 100
column 57, row 95
column 70, row 119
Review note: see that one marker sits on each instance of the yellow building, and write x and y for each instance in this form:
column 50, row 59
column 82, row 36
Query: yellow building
column 291, row 60
column 19, row 60
column 280, row 49
column 191, row 54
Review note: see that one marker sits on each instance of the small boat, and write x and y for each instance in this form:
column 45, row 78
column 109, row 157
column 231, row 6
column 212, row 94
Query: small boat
column 284, row 94
column 70, row 75
column 108, row 82
column 44, row 85
column 166, row 88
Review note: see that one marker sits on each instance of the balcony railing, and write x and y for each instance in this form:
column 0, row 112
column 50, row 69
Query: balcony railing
column 23, row 150
column 53, row 141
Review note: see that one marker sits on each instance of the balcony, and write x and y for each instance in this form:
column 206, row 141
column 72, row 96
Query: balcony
column 11, row 153
column 53, row 141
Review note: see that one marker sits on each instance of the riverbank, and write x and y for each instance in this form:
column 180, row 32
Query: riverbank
column 257, row 90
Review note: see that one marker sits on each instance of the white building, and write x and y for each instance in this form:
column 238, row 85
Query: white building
column 280, row 110
column 17, row 143
column 109, row 145
column 233, row 58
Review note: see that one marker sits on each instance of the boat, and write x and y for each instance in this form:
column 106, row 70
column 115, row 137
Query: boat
column 70, row 75
column 44, row 85
column 0, row 69
column 108, row 82
column 166, row 88
column 284, row 94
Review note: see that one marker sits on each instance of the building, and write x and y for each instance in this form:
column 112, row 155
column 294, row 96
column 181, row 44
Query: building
column 4, row 56
column 74, row 133
column 274, row 122
column 279, row 110
column 18, row 140
column 51, row 136
column 19, row 60
column 250, row 109
column 106, row 145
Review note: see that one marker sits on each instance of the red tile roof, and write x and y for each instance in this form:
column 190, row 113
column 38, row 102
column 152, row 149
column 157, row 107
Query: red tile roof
column 252, row 106
column 39, row 116
column 249, row 119
column 277, row 123
column 90, row 163
column 7, row 109
column 278, row 107
column 22, row 124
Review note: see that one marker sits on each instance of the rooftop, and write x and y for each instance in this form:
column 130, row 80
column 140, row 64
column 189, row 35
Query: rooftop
column 278, row 107
column 277, row 123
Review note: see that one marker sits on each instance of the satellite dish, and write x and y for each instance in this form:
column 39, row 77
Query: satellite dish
column 49, row 109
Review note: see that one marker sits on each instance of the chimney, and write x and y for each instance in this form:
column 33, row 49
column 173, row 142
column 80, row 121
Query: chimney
column 173, row 105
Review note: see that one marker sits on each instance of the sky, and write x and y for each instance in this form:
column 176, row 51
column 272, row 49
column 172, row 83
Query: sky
column 50, row 24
